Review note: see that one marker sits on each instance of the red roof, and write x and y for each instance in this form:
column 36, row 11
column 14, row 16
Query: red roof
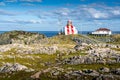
column 103, row 29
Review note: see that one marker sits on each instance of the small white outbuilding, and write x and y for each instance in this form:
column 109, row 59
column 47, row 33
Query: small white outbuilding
column 102, row 31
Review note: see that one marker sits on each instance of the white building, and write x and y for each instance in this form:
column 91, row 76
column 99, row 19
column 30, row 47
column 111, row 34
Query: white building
column 70, row 29
column 102, row 31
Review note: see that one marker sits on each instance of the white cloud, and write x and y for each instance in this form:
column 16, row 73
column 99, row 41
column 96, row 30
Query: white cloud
column 31, row 0
column 35, row 21
column 8, row 13
column 82, row 12
column 62, row 11
column 91, row 12
column 116, row 12
column 22, row 21
column 96, row 13
column 10, row 0
column 23, row 0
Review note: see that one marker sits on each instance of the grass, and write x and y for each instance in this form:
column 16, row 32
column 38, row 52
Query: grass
column 78, row 53
column 92, row 66
column 37, row 61
column 21, row 75
column 115, row 38
column 116, row 49
column 61, row 39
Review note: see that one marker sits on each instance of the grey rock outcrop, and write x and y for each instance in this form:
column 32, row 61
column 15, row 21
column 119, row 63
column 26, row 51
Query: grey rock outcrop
column 94, row 55
column 104, row 69
column 81, row 46
column 27, row 49
column 116, row 71
column 21, row 37
column 8, row 67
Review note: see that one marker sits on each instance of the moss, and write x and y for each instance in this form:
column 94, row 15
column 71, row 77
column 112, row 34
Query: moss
column 34, row 61
column 42, row 58
column 92, row 66
column 116, row 49
column 62, row 39
column 113, row 39
column 78, row 53
column 21, row 75
column 8, row 37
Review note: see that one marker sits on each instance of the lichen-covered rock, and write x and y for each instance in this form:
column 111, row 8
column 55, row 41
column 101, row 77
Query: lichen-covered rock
column 116, row 71
column 8, row 67
column 81, row 46
column 21, row 37
column 104, row 69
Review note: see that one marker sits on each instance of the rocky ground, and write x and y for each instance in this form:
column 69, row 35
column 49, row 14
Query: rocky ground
column 74, row 57
column 21, row 37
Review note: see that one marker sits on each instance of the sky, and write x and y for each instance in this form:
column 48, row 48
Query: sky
column 52, row 15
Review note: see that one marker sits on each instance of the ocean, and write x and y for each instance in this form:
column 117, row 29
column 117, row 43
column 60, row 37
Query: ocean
column 53, row 33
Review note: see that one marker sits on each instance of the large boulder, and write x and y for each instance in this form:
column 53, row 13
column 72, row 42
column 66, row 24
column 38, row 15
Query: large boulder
column 104, row 70
column 8, row 67
column 81, row 46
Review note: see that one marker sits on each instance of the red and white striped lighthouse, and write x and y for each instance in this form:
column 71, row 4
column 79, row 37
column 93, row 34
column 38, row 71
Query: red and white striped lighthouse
column 70, row 29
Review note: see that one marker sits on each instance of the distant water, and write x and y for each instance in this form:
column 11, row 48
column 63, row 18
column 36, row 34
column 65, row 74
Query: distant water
column 53, row 33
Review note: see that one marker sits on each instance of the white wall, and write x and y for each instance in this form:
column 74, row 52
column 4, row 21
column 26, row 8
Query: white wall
column 102, row 32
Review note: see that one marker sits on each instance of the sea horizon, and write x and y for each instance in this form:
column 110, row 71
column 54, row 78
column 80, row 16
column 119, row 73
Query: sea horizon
column 53, row 33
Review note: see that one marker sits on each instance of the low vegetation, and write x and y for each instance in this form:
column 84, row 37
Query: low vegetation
column 40, row 62
column 112, row 39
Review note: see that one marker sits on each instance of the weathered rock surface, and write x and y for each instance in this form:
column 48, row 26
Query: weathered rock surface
column 81, row 46
column 27, row 49
column 104, row 69
column 42, row 49
column 21, row 37
column 85, row 74
column 95, row 54
column 8, row 67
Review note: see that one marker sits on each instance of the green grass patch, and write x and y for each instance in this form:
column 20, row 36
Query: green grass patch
column 78, row 53
column 21, row 75
column 116, row 49
column 92, row 66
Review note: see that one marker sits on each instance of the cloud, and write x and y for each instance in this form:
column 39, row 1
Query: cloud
column 27, row 4
column 96, row 14
column 116, row 12
column 41, row 14
column 8, row 13
column 22, row 0
column 58, row 13
column 2, row 4
column 30, row 0
column 81, row 12
column 22, row 21
column 28, row 21
column 62, row 12
column 10, row 0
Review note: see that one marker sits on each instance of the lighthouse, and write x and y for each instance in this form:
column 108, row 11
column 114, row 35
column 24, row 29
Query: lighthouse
column 70, row 29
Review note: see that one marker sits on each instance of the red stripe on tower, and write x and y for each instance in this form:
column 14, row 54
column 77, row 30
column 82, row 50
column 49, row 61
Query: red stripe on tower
column 68, row 32
column 72, row 29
